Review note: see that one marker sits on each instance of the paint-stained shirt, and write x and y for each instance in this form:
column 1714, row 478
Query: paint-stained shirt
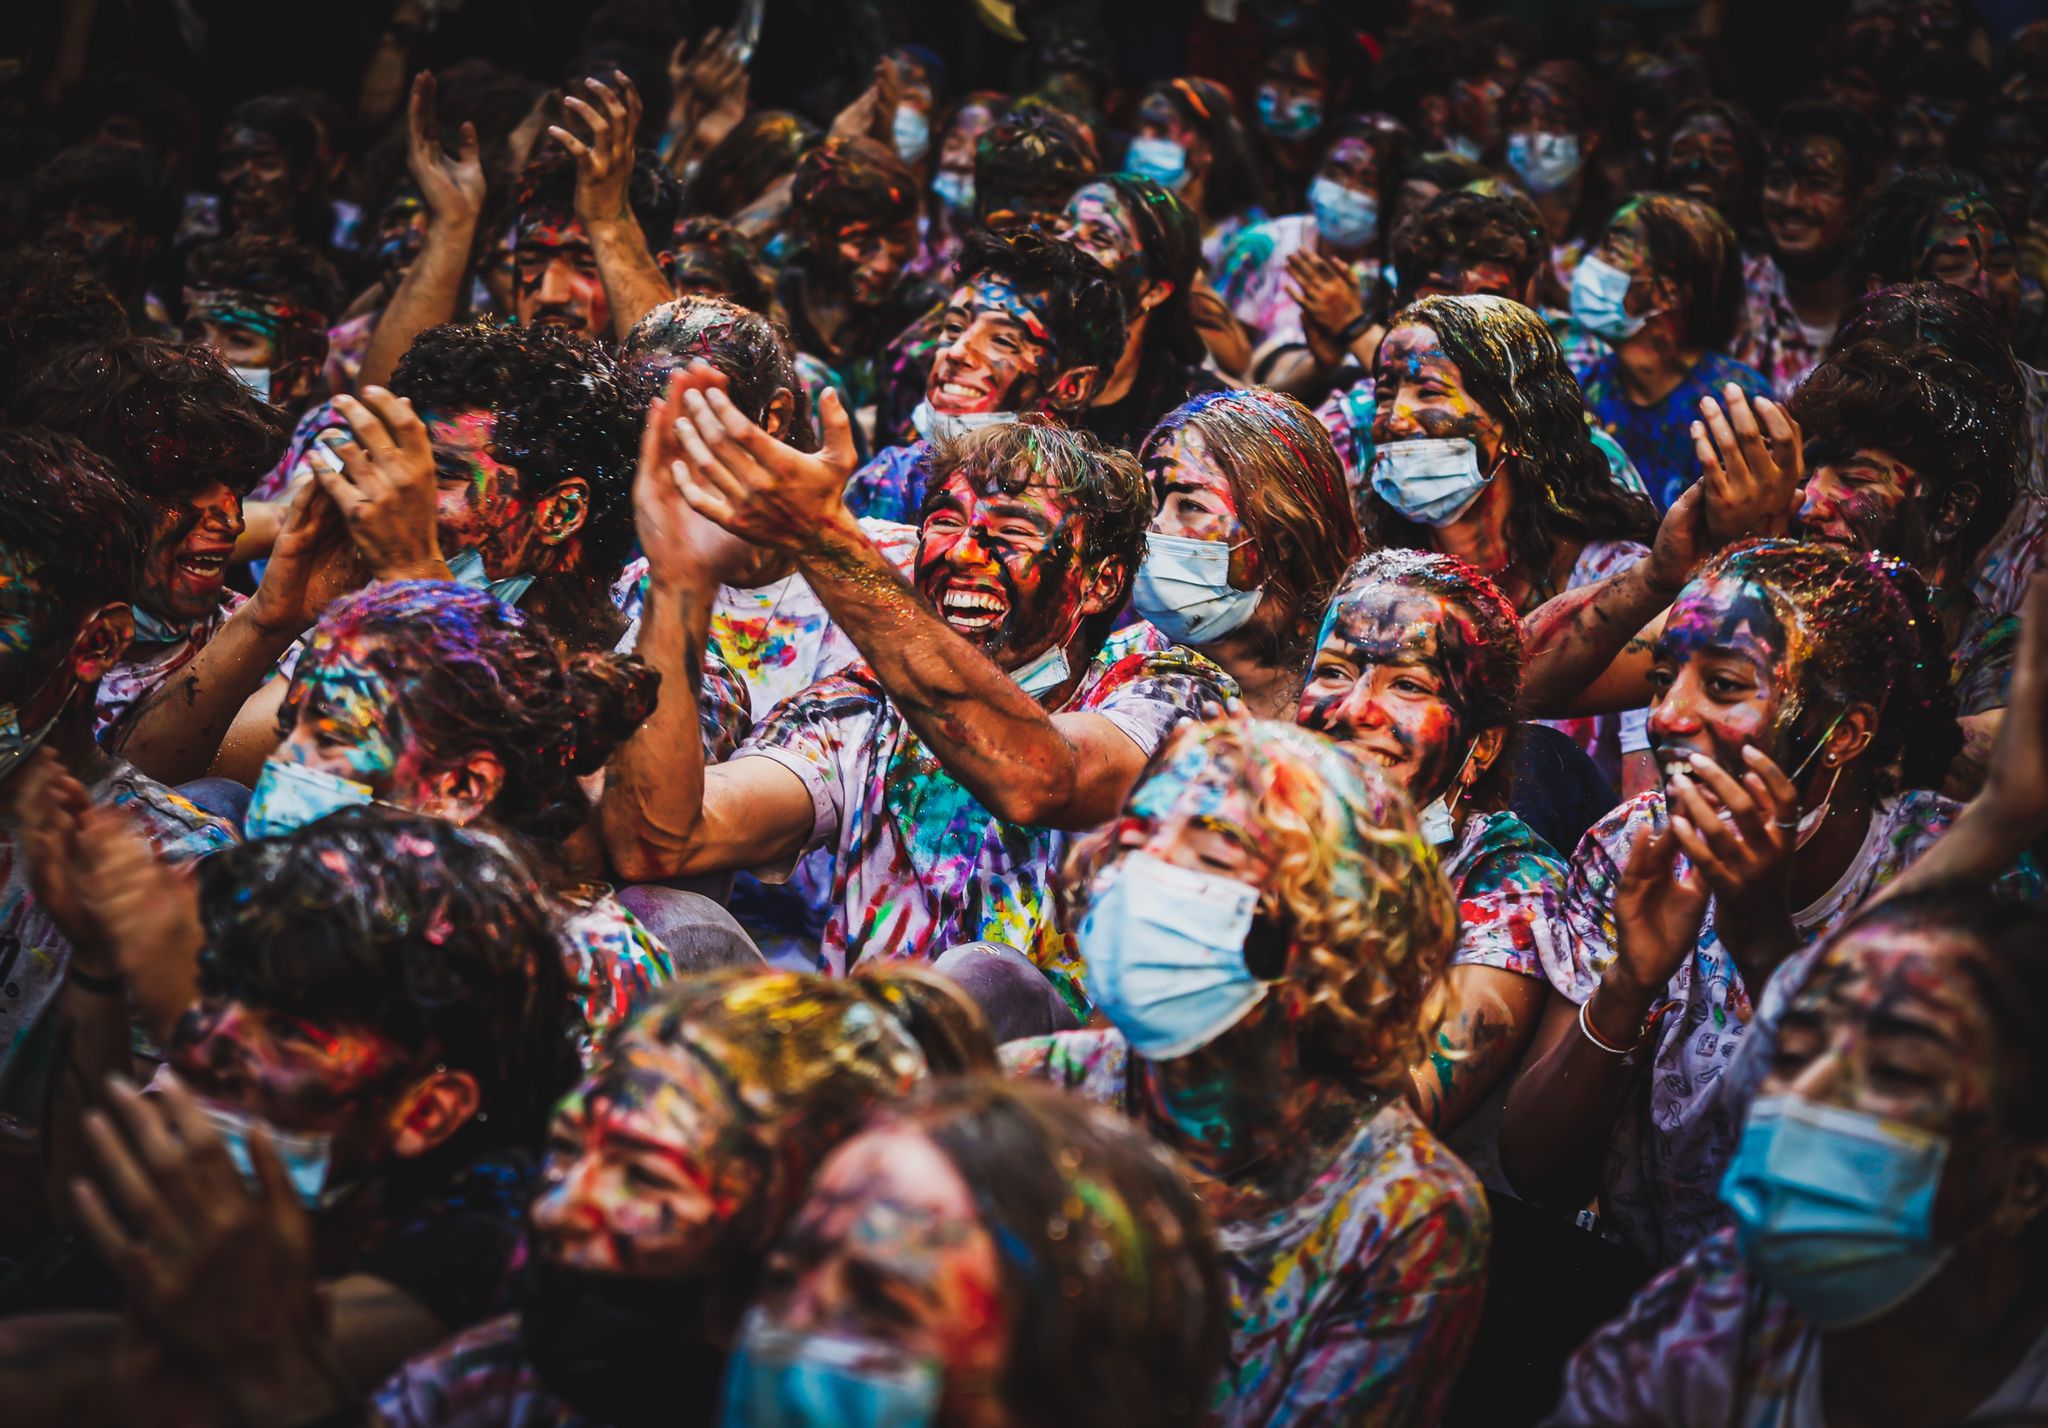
column 1675, row 1134
column 919, row 863
column 147, row 664
column 891, row 486
column 1705, row 1345
column 614, row 964
column 1252, row 281
column 1658, row 437
column 1356, row 1303
column 1773, row 341
column 477, row 1379
column 34, row 955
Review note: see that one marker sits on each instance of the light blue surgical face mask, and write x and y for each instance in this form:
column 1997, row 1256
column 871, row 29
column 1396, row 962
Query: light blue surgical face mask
column 1044, row 674
column 1434, row 480
column 1463, row 147
column 912, row 132
column 256, row 379
column 1345, row 216
column 1545, row 162
column 1600, row 300
column 467, row 566
column 154, row 630
column 1183, row 588
column 944, row 426
column 1161, row 160
column 1164, row 947
column 306, row 1157
column 955, row 190
column 1293, row 119
column 288, row 796
column 782, row 1378
column 1834, row 1209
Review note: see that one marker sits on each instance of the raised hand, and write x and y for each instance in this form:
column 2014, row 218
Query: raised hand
column 52, row 806
column 1324, row 291
column 604, row 166
column 385, row 488
column 1658, row 913
column 680, row 545
column 311, row 564
column 453, row 188
column 1753, row 464
column 762, row 490
column 149, row 912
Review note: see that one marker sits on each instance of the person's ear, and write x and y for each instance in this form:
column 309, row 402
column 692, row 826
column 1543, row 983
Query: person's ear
column 102, row 639
column 1072, row 388
column 1954, row 513
column 1851, row 738
column 1106, row 587
column 562, row 511
column 1155, row 293
column 1485, row 749
column 780, row 414
column 2025, row 1196
column 432, row 1111
column 461, row 794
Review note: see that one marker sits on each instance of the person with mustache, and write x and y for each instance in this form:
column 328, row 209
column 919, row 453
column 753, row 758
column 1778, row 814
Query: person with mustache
column 1822, row 161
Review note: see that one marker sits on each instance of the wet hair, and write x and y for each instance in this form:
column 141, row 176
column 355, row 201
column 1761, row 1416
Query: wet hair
column 67, row 511
column 562, row 409
column 470, row 674
column 762, row 148
column 283, row 280
column 1502, row 228
column 1109, row 1267
column 854, row 180
column 1749, row 147
column 1170, row 247
column 1693, row 246
column 1357, row 894
column 1102, row 482
column 803, row 1059
column 547, row 194
column 1084, row 308
column 118, row 179
column 1234, row 184
column 1029, row 161
column 1488, row 689
column 1511, row 365
column 170, row 419
column 1899, row 215
column 748, row 348
column 1822, row 118
column 714, row 249
column 406, row 926
column 1862, row 629
column 1931, row 314
column 1287, row 483
column 50, row 299
column 1932, row 411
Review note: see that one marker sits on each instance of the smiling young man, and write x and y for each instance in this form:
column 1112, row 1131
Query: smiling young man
column 990, row 719
column 1034, row 326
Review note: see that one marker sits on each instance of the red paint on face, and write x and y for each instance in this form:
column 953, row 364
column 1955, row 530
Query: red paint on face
column 1003, row 569
column 186, row 568
column 555, row 280
column 1192, row 498
column 1857, row 502
column 995, row 353
column 480, row 502
column 297, row 1074
column 1722, row 677
column 1969, row 247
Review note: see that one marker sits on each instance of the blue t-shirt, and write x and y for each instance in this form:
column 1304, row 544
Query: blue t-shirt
column 1658, row 438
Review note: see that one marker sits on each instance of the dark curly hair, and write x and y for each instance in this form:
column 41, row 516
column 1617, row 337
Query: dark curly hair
column 1084, row 310
column 275, row 267
column 1511, row 365
column 1824, row 119
column 1932, row 411
column 84, row 527
column 171, row 419
column 50, row 299
column 562, row 407
column 1931, row 314
column 546, row 193
column 1029, row 161
column 1104, row 482
column 711, row 252
column 749, row 349
column 852, row 180
column 1469, row 228
column 1870, row 636
column 1895, row 223
column 411, row 928
column 1693, row 246
column 472, row 674
column 763, row 147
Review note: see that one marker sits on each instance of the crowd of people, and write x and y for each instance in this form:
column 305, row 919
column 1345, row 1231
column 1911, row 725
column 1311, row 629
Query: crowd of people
column 899, row 714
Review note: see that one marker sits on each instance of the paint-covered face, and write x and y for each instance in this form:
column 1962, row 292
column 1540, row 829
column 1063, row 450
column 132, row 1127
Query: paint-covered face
column 1807, row 198
column 1158, row 119
column 1477, row 104
column 1889, row 1024
column 1452, row 276
column 956, row 151
column 1294, row 85
column 342, row 717
column 1004, row 569
column 1540, row 108
column 1704, row 161
column 2008, row 155
column 1627, row 247
column 995, row 352
column 649, row 1167
column 555, row 279
column 401, row 233
column 480, row 503
column 240, row 343
column 257, row 181
column 1725, row 675
column 1856, row 500
column 1921, row 127
column 1192, row 498
column 1386, row 680
column 1101, row 225
column 888, row 1248
column 1193, row 812
column 1353, row 163
column 1418, row 391
column 870, row 259
column 1968, row 247
column 186, row 567
column 298, row 1075
column 25, row 605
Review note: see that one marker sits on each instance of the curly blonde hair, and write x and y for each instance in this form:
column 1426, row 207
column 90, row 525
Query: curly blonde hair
column 1368, row 914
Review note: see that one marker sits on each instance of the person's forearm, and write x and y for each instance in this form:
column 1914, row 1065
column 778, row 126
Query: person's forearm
column 95, row 1025
column 991, row 736
column 174, row 734
column 1571, row 640
column 1983, row 842
column 1560, row 1115
column 427, row 297
column 652, row 811
column 633, row 283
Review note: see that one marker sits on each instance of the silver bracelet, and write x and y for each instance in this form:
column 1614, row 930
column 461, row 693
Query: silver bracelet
column 1586, row 1028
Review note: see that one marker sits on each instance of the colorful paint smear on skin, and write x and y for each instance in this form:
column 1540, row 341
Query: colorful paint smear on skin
column 555, row 278
column 480, row 502
column 1002, row 567
column 342, row 717
column 1725, row 676
column 401, row 233
column 995, row 352
column 300, row 1075
column 1419, row 392
column 1100, row 224
column 1806, row 200
column 21, row 600
column 184, row 572
column 1858, row 500
column 1383, row 680
column 257, row 180
column 1968, row 246
column 1192, row 498
column 1704, row 161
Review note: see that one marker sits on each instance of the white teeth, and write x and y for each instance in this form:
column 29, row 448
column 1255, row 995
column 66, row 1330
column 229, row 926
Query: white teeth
column 1673, row 770
column 954, row 389
column 972, row 600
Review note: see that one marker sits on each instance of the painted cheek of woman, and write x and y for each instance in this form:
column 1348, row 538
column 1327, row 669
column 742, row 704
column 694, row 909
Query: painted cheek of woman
column 1100, row 226
column 1969, row 248
column 1193, row 498
column 341, row 716
column 1384, row 680
column 1857, row 501
column 1722, row 672
column 1420, row 393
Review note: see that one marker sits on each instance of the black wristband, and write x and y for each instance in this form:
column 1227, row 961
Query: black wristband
column 1355, row 329
column 92, row 982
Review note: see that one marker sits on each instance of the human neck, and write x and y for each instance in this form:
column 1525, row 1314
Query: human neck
column 1480, row 536
column 1651, row 366
column 1125, row 374
column 1834, row 846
